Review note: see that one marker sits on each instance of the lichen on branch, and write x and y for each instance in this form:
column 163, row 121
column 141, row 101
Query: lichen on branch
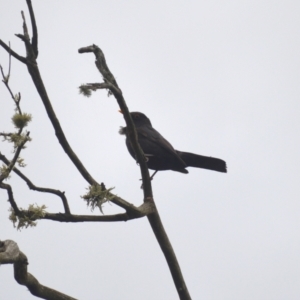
column 97, row 195
column 27, row 217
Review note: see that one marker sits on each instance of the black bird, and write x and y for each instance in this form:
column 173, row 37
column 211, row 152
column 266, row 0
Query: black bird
column 160, row 153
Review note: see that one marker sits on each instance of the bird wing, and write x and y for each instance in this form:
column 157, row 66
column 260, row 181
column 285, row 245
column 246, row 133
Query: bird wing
column 154, row 144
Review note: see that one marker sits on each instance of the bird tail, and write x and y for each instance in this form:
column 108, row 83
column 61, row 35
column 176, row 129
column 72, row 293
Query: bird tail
column 204, row 162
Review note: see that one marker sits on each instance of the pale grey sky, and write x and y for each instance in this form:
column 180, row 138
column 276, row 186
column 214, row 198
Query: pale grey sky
column 218, row 78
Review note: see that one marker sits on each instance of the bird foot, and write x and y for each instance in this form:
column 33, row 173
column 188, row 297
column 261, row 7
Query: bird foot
column 151, row 178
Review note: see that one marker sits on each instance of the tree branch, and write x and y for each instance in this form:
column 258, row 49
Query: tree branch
column 13, row 53
column 170, row 256
column 34, row 29
column 11, row 254
column 140, row 212
column 111, row 83
column 39, row 189
column 5, row 81
column 38, row 82
column 131, row 210
column 14, row 160
column 11, row 199
column 154, row 219
column 30, row 54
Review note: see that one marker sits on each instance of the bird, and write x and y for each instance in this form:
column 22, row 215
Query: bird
column 160, row 154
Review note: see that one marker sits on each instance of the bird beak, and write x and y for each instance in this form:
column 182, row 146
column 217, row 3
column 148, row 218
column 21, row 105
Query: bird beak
column 120, row 111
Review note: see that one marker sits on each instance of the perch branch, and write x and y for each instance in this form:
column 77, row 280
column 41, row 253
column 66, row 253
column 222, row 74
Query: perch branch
column 111, row 83
column 154, row 219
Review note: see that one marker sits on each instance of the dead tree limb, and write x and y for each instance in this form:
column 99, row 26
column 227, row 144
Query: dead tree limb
column 11, row 254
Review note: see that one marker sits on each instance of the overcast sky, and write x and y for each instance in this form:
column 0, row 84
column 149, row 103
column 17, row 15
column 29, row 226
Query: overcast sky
column 218, row 78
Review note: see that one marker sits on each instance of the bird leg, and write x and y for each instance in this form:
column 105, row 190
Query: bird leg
column 151, row 177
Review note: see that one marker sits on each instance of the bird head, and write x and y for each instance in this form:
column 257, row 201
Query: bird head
column 139, row 119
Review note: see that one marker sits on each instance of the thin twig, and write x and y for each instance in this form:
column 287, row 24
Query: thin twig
column 30, row 54
column 6, row 83
column 34, row 29
column 5, row 80
column 39, row 189
column 11, row 198
column 13, row 53
column 15, row 158
column 9, row 64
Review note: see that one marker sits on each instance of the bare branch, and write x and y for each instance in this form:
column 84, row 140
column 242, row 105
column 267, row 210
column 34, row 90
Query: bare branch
column 14, row 160
column 11, row 199
column 132, row 212
column 130, row 208
column 142, row 211
column 170, row 256
column 11, row 254
column 100, row 63
column 13, row 53
column 9, row 69
column 38, row 82
column 34, row 29
column 39, row 189
column 30, row 54
column 5, row 81
column 83, row 218
column 16, row 98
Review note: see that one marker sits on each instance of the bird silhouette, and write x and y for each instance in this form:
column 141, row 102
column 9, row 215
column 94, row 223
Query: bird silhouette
column 161, row 155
